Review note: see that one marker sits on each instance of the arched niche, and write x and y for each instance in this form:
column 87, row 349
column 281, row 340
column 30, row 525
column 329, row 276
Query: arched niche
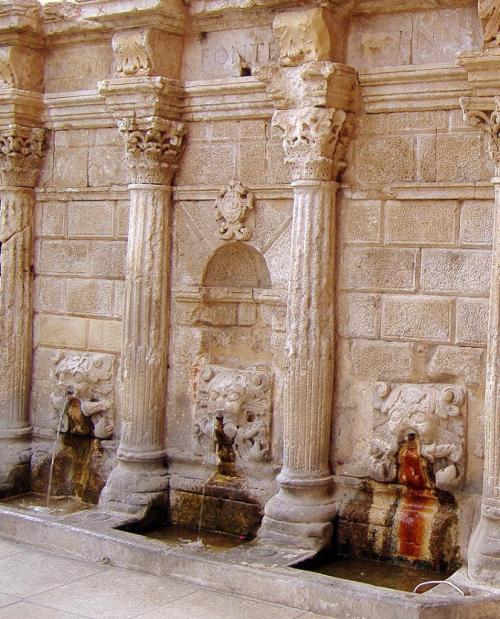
column 236, row 265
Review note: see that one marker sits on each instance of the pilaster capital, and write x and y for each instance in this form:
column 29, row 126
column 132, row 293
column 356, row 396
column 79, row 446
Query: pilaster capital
column 315, row 141
column 21, row 151
column 484, row 113
column 153, row 147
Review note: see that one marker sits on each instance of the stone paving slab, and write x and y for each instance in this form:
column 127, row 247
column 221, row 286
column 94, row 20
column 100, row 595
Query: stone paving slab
column 42, row 585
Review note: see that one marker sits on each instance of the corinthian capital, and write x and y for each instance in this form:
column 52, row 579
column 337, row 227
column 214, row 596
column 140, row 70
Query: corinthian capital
column 21, row 151
column 152, row 149
column 488, row 120
column 314, row 141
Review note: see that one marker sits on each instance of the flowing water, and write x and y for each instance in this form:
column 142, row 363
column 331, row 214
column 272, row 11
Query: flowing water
column 174, row 535
column 37, row 503
column 54, row 448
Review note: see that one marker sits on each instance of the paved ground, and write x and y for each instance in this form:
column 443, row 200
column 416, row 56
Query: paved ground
column 40, row 585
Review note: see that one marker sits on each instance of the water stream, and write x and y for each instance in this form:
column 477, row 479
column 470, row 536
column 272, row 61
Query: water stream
column 64, row 409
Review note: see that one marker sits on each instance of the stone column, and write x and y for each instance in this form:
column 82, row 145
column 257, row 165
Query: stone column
column 314, row 100
column 20, row 158
column 484, row 547
column 139, row 483
column 302, row 511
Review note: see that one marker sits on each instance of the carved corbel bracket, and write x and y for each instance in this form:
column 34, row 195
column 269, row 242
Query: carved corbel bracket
column 21, row 152
column 479, row 114
column 153, row 148
column 315, row 141
column 489, row 14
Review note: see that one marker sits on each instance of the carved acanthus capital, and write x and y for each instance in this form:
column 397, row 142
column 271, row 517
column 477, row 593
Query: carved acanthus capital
column 132, row 53
column 489, row 14
column 488, row 120
column 152, row 149
column 315, row 141
column 21, row 151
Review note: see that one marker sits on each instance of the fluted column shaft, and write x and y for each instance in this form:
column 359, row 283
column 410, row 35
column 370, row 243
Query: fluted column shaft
column 145, row 324
column 16, row 306
column 139, row 483
column 310, row 333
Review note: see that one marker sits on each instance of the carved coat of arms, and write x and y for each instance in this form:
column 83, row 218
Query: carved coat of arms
column 231, row 210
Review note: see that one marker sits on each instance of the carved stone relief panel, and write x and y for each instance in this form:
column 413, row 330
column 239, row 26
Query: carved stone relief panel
column 244, row 399
column 83, row 394
column 489, row 14
column 231, row 211
column 426, row 419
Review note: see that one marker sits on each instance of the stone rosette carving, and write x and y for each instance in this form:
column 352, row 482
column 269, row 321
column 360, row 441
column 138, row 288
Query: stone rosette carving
column 487, row 120
column 489, row 14
column 231, row 211
column 132, row 53
column 243, row 398
column 152, row 149
column 435, row 413
column 315, row 141
column 21, row 152
column 86, row 379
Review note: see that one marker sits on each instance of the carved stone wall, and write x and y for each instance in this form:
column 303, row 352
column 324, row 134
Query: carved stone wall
column 435, row 413
column 244, row 399
column 84, row 386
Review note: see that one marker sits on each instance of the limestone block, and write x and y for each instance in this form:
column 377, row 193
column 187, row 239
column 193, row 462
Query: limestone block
column 277, row 170
column 380, row 40
column 107, row 258
column 377, row 268
column 247, row 314
column 53, row 219
column 418, row 318
column 78, row 68
column 472, row 321
column 382, row 360
column 62, row 331
column 302, row 36
column 460, row 271
column 70, row 167
column 458, row 157
column 396, row 122
column 107, row 166
column 476, row 223
column 252, row 162
column 217, row 314
column 64, row 257
column 360, row 221
column 439, row 35
column 122, row 212
column 105, row 335
column 90, row 219
column 71, row 138
column 50, row 295
column 384, row 159
column 105, row 137
column 426, row 158
column 119, row 298
column 252, row 129
column 91, row 297
column 421, row 223
column 195, row 171
column 228, row 53
column 359, row 315
column 460, row 363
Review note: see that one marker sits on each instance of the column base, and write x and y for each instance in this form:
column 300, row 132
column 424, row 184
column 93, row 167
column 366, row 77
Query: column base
column 484, row 547
column 139, row 489
column 15, row 465
column 301, row 514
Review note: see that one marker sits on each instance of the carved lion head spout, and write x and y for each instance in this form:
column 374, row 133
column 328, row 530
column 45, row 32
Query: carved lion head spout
column 83, row 394
column 418, row 435
column 243, row 399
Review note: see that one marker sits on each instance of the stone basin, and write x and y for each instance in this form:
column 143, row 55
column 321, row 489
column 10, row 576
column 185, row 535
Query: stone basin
column 265, row 572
